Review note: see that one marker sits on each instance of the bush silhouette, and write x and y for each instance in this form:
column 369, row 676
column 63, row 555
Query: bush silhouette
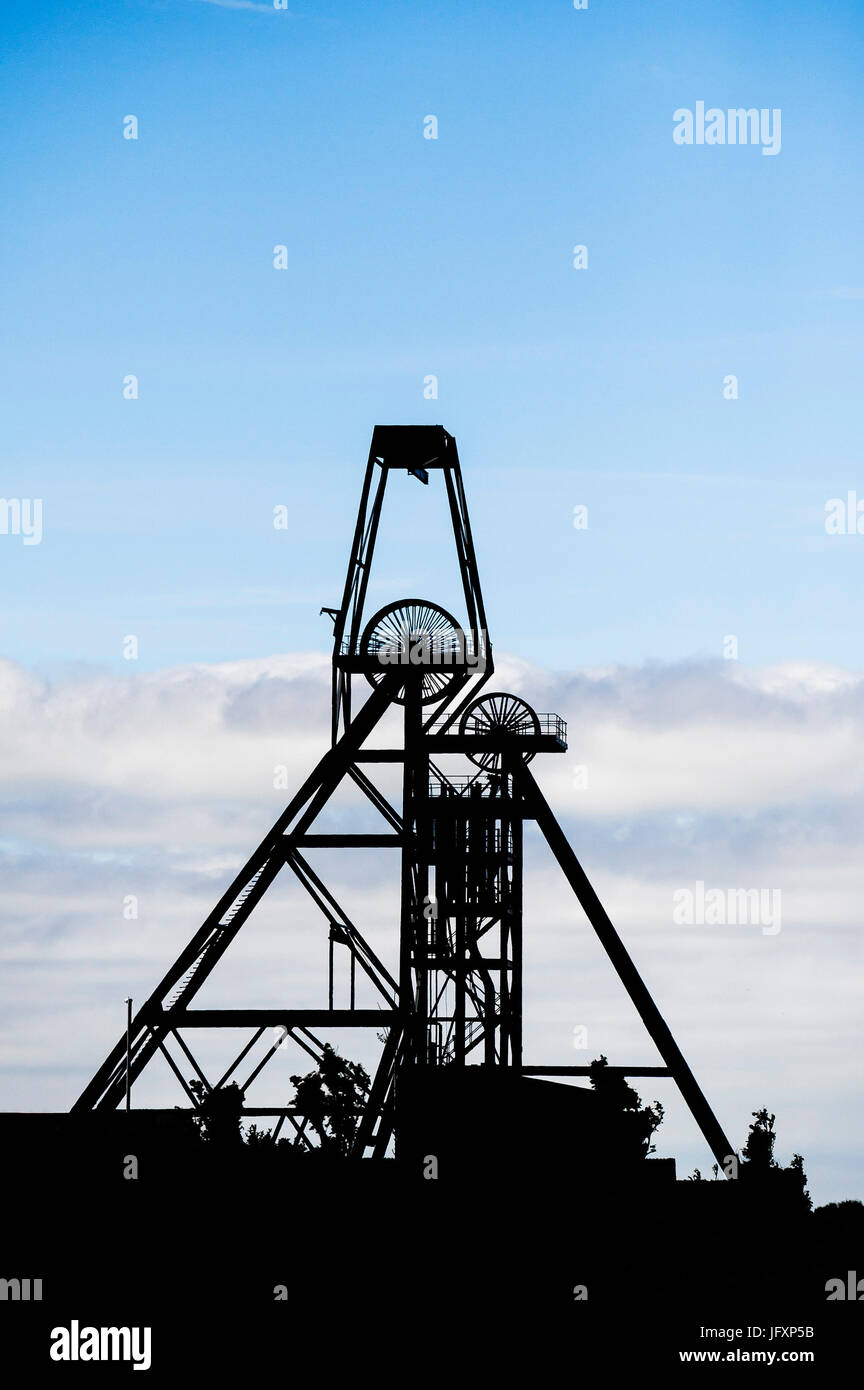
column 218, row 1114
column 630, row 1122
column 760, row 1164
column 331, row 1096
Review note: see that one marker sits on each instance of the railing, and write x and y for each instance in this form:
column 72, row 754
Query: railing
column 551, row 725
column 467, row 785
column 419, row 649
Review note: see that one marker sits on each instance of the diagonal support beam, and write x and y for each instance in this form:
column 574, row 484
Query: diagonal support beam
column 177, row 1072
column 382, row 1086
column 626, row 970
column 377, row 798
column 195, row 963
column 321, row 895
column 191, row 1059
column 237, row 1060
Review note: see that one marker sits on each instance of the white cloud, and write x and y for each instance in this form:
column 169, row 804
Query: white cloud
column 693, row 740
column 161, row 785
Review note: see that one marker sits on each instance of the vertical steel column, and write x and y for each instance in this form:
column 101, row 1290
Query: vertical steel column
column 354, row 593
column 412, row 945
column 514, row 923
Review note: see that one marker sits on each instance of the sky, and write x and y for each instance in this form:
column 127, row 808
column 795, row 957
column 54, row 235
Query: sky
column 605, row 387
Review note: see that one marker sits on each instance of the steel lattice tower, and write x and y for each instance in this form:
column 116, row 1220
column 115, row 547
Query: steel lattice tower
column 454, row 997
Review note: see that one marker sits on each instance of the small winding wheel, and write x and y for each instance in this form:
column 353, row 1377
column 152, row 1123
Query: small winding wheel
column 502, row 715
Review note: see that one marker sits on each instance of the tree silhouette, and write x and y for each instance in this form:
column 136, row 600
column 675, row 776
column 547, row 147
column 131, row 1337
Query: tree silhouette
column 218, row 1114
column 331, row 1097
column 256, row 1137
column 841, row 1225
column 759, row 1149
column 758, row 1154
column 632, row 1123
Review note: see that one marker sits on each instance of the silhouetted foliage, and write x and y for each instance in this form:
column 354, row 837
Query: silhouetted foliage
column 850, row 1211
column 331, row 1096
column 634, row 1121
column 218, row 1115
column 758, row 1154
column 840, row 1226
column 260, row 1138
column 797, row 1167
column 759, row 1149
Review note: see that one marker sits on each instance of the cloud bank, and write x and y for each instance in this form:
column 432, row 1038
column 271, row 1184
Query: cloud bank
column 159, row 785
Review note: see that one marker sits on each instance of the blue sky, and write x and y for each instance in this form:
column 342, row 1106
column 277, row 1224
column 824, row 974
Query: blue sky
column 410, row 256
column 600, row 387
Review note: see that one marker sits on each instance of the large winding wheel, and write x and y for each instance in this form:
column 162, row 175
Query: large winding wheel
column 504, row 717
column 413, row 633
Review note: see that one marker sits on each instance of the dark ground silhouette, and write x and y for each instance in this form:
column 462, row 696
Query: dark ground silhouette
column 242, row 1253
